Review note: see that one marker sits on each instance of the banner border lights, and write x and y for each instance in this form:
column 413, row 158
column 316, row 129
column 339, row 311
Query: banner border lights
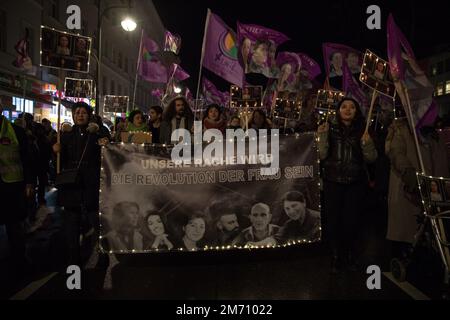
column 71, row 34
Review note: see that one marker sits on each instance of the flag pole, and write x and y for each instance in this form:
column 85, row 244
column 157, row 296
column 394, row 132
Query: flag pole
column 413, row 127
column 369, row 114
column 201, row 58
column 58, row 122
column 137, row 68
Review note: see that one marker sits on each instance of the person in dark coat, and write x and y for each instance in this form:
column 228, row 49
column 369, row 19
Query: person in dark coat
column 80, row 147
column 16, row 185
column 345, row 149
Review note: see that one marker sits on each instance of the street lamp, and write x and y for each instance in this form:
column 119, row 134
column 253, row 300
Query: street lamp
column 128, row 25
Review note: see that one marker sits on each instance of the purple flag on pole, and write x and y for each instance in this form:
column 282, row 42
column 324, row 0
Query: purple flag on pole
column 257, row 46
column 150, row 67
column 407, row 74
column 178, row 73
column 172, row 43
column 213, row 95
column 221, row 51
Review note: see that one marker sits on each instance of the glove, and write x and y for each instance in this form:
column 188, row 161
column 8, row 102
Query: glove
column 409, row 178
column 93, row 127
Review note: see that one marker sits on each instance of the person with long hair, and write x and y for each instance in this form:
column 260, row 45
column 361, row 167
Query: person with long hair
column 344, row 149
column 155, row 236
column 177, row 115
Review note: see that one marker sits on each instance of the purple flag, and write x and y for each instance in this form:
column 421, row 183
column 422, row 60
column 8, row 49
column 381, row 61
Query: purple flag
column 336, row 55
column 408, row 75
column 257, row 47
column 212, row 95
column 172, row 43
column 396, row 42
column 309, row 65
column 178, row 73
column 353, row 90
column 221, row 51
column 288, row 67
column 150, row 67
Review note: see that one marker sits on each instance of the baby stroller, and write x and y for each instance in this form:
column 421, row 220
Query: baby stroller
column 434, row 230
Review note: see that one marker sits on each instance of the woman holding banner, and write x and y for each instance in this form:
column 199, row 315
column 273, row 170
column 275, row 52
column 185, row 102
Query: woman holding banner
column 80, row 152
column 344, row 148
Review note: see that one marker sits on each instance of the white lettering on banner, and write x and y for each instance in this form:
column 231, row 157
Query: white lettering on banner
column 374, row 21
column 74, row 20
column 213, row 153
column 299, row 172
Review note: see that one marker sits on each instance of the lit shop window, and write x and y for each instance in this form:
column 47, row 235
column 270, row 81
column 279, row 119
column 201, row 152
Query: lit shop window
column 447, row 87
column 23, row 107
column 440, row 89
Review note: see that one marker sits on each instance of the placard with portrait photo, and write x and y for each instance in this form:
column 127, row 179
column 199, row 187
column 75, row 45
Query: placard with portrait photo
column 248, row 96
column 328, row 98
column 116, row 104
column 78, row 88
column 376, row 74
column 63, row 50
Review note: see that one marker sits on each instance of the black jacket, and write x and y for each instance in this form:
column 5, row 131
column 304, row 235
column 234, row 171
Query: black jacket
column 86, row 192
column 345, row 161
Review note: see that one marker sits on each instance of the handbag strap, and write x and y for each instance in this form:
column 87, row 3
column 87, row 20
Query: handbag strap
column 84, row 151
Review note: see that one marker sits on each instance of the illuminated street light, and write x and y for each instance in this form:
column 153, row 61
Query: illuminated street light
column 128, row 24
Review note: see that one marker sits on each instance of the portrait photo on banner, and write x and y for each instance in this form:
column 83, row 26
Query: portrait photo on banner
column 63, row 50
column 116, row 104
column 148, row 204
column 376, row 74
column 435, row 193
column 78, row 88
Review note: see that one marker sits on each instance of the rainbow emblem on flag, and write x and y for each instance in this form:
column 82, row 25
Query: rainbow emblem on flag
column 228, row 45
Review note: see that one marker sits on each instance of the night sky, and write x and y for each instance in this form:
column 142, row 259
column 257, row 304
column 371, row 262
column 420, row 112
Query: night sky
column 308, row 24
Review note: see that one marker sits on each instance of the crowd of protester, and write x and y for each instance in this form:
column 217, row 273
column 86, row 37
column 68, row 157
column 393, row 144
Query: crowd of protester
column 354, row 163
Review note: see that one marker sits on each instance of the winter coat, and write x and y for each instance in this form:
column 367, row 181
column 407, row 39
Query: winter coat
column 343, row 155
column 403, row 207
column 86, row 191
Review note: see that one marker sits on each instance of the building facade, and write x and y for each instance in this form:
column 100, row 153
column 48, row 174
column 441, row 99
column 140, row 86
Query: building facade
column 119, row 50
column 438, row 70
